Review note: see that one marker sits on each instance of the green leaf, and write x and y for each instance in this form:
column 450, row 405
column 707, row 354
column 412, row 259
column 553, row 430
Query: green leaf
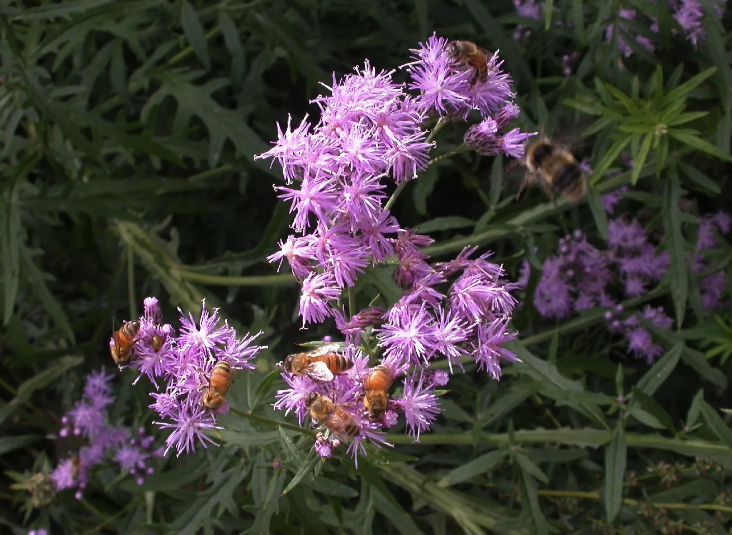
column 530, row 503
column 699, row 144
column 640, row 160
column 233, row 44
column 610, row 156
column 264, row 386
column 221, row 123
column 699, row 178
column 548, row 10
column 306, row 468
column 444, row 223
column 330, row 488
column 53, row 11
column 678, row 277
column 531, row 468
column 684, row 89
column 578, row 18
column 37, row 280
column 598, row 210
column 8, row 444
column 507, row 402
column 651, row 405
column 716, row 424
column 477, row 466
column 290, row 449
column 396, row 515
column 37, row 382
column 194, row 32
column 615, row 461
column 246, row 439
column 496, row 182
column 172, row 479
column 660, row 371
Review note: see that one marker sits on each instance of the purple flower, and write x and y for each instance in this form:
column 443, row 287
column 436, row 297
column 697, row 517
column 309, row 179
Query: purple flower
column 190, row 423
column 316, row 196
column 489, row 346
column 442, row 91
column 409, row 337
column 66, row 474
column 408, row 156
column 289, row 148
column 641, row 344
column 448, row 333
column 317, row 291
column 420, row 405
column 625, row 235
column 298, row 252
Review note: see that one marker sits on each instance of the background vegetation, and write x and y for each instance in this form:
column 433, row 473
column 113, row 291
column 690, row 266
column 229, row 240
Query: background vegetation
column 127, row 131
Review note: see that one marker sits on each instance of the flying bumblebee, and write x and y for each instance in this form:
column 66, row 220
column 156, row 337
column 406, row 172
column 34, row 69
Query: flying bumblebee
column 556, row 168
column 122, row 348
column 376, row 389
column 319, row 364
column 473, row 56
column 218, row 384
column 341, row 424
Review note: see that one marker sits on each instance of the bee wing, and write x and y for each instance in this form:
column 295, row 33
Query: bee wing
column 322, row 350
column 486, row 52
column 319, row 372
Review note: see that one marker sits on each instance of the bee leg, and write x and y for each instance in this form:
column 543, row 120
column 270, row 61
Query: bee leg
column 525, row 183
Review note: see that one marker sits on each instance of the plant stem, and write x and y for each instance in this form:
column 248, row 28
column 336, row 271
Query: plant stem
column 351, row 300
column 131, row 282
column 573, row 437
column 441, row 122
column 633, row 503
column 462, row 148
column 224, row 280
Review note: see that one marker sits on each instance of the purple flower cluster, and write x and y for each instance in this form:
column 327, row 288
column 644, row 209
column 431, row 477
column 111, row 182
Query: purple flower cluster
column 581, row 276
column 372, row 129
column 639, row 339
column 618, row 30
column 689, row 14
column 106, row 443
column 711, row 288
column 184, row 362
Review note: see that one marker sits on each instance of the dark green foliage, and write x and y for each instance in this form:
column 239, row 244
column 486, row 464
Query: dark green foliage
column 127, row 135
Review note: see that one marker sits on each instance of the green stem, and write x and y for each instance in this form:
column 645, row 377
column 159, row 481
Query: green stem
column 462, row 148
column 634, row 503
column 223, row 280
column 273, row 423
column 581, row 437
column 211, row 172
column 351, row 300
column 394, row 196
column 131, row 282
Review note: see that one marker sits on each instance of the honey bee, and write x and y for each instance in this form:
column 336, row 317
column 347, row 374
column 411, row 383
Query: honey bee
column 319, row 364
column 156, row 342
column 218, row 384
column 332, row 416
column 471, row 55
column 376, row 388
column 556, row 168
column 122, row 348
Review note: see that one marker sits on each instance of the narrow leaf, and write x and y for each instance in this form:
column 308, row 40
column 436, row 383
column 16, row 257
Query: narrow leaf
column 477, row 466
column 305, row 469
column 716, row 424
column 699, row 178
column 699, row 144
column 615, row 461
column 640, row 160
column 660, row 371
column 651, row 405
column 678, row 278
column 598, row 210
column 194, row 32
column 263, row 387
